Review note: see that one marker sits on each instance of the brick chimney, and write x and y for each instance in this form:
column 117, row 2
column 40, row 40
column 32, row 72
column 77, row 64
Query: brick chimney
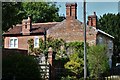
column 26, row 26
column 71, row 10
column 92, row 20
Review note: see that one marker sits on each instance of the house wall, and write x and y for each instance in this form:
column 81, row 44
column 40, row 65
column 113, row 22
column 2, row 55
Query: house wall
column 22, row 41
column 72, row 30
column 106, row 41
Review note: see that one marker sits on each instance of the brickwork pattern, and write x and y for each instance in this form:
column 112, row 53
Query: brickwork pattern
column 22, row 41
column 72, row 30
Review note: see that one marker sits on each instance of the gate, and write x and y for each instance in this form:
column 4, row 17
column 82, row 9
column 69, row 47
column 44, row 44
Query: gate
column 45, row 70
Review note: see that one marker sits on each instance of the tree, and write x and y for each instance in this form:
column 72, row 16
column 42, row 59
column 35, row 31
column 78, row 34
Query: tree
column 41, row 11
column 75, row 63
column 11, row 14
column 14, row 12
column 110, row 23
column 97, row 60
column 20, row 67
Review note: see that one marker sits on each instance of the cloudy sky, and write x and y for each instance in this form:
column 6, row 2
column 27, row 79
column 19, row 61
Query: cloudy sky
column 99, row 7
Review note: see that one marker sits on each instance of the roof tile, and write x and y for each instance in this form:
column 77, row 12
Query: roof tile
column 36, row 28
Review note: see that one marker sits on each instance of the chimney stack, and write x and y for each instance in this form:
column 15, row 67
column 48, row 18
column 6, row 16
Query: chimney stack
column 71, row 10
column 92, row 20
column 26, row 26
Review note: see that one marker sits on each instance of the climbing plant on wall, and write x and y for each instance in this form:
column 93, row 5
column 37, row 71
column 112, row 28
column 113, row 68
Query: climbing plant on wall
column 56, row 44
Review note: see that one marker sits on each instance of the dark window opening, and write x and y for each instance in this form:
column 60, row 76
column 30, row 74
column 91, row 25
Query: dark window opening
column 70, row 11
column 25, row 26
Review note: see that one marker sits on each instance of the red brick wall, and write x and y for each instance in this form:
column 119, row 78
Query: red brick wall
column 72, row 30
column 22, row 42
column 26, row 26
column 71, row 10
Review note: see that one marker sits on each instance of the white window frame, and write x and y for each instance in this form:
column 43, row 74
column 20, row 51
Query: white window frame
column 36, row 42
column 13, row 44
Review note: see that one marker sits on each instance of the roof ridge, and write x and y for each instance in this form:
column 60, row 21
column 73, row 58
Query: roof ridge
column 46, row 23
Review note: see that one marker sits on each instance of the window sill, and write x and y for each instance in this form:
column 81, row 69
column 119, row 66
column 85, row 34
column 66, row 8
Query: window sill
column 13, row 47
column 36, row 46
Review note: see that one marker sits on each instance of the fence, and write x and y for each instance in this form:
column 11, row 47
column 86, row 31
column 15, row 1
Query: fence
column 45, row 70
column 12, row 51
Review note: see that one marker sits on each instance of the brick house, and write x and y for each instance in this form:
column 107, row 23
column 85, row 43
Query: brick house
column 69, row 30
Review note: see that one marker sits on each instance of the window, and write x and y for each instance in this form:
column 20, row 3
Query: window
column 25, row 25
column 13, row 43
column 100, row 40
column 36, row 42
column 110, row 44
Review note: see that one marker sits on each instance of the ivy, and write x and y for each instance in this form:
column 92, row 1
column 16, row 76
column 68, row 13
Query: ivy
column 76, row 47
column 56, row 44
column 31, row 44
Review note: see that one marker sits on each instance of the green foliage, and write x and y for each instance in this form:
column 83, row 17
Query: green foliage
column 10, row 14
column 75, row 63
column 56, row 45
column 97, row 60
column 31, row 44
column 69, row 78
column 41, row 44
column 75, row 67
column 20, row 67
column 76, row 47
column 110, row 23
column 39, row 12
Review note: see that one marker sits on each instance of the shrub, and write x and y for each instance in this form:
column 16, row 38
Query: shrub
column 20, row 67
column 97, row 60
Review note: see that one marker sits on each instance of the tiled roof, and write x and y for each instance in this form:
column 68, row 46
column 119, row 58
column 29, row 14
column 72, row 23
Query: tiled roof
column 14, row 30
column 39, row 27
column 68, row 30
column 36, row 28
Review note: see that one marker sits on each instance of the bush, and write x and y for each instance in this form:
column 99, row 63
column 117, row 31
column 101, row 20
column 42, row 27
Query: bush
column 69, row 78
column 20, row 67
column 97, row 60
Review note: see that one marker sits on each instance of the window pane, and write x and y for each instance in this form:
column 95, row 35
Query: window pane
column 11, row 42
column 110, row 45
column 15, row 42
column 36, row 42
column 100, row 40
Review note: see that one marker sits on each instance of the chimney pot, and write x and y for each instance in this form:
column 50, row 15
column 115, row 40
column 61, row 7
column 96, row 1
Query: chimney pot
column 71, row 10
column 94, row 13
column 92, row 20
